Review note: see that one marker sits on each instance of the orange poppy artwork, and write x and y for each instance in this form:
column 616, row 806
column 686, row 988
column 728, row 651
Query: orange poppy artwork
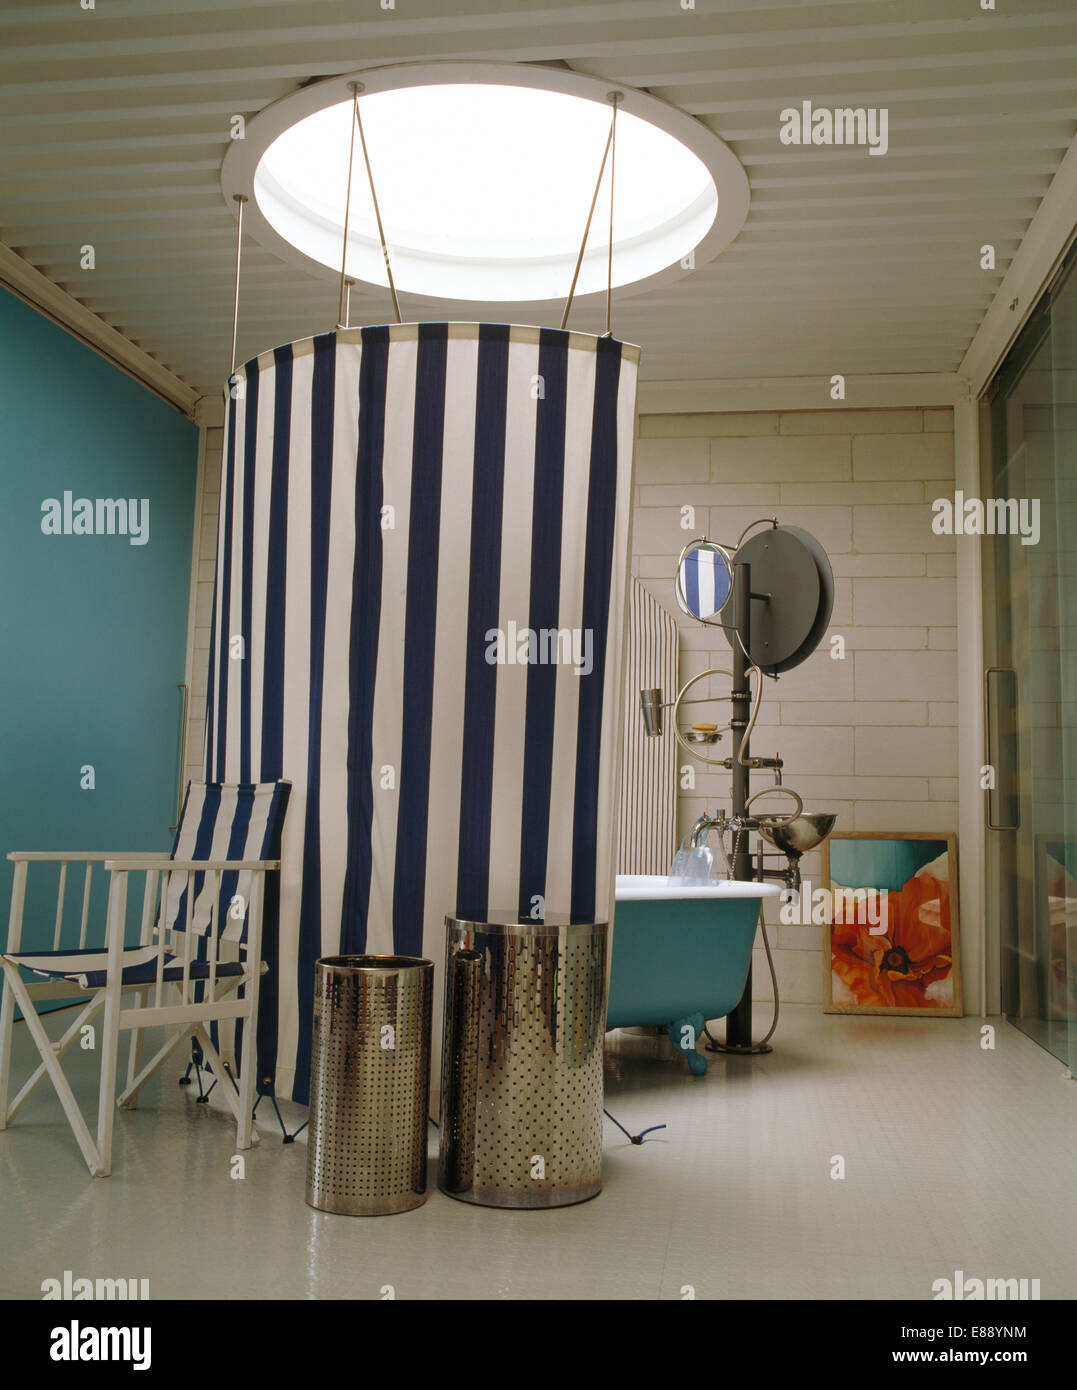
column 892, row 924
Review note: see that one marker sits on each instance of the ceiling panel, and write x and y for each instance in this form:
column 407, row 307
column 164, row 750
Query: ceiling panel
column 114, row 122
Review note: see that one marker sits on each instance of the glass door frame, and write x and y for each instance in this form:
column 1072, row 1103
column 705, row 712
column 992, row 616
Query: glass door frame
column 1018, row 933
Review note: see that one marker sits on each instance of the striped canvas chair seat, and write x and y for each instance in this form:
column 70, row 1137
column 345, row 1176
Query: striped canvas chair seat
column 88, row 970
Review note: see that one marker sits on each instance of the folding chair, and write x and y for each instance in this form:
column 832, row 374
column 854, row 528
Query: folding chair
column 211, row 896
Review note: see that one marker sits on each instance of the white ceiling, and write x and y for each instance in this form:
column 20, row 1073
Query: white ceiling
column 114, row 122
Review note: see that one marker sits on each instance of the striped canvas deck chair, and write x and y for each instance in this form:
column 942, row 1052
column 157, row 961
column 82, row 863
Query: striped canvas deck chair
column 198, row 960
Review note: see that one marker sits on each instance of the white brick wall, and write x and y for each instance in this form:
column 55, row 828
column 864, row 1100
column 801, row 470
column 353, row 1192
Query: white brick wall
column 872, row 737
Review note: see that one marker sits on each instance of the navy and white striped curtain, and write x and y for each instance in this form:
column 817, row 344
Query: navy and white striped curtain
column 419, row 621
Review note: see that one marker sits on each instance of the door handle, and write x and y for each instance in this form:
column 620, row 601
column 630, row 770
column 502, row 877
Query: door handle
column 1005, row 677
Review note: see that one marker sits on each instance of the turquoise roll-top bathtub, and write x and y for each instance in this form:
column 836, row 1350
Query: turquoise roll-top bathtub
column 680, row 955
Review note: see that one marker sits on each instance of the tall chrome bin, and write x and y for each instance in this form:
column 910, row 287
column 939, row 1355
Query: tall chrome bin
column 370, row 1084
column 521, row 1090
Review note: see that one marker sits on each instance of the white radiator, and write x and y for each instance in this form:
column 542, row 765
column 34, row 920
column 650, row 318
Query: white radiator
column 649, row 775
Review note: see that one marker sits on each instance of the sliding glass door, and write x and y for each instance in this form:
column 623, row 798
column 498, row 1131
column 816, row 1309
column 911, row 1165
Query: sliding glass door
column 1030, row 600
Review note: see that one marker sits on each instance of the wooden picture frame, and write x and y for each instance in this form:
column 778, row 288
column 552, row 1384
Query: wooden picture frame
column 920, row 985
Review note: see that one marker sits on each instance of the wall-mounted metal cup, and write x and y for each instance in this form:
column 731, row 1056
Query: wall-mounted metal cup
column 651, row 704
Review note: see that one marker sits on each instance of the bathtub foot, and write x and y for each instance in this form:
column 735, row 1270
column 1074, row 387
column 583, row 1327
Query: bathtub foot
column 684, row 1033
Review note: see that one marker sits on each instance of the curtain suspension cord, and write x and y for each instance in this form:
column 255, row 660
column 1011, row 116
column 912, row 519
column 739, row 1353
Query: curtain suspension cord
column 342, row 315
column 357, row 123
column 615, row 98
column 377, row 213
column 239, row 200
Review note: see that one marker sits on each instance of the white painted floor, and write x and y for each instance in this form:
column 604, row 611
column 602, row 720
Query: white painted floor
column 955, row 1159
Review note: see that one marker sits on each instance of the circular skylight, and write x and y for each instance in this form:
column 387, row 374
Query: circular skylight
column 484, row 177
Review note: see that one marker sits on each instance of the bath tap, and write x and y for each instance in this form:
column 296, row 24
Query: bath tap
column 700, row 833
column 738, row 825
column 704, row 825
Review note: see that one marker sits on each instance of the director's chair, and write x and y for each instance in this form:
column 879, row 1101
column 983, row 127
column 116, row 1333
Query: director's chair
column 208, row 893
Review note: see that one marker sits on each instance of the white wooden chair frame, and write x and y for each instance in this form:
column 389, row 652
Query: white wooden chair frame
column 220, row 1000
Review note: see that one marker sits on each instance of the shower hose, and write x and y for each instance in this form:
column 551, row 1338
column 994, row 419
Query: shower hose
column 765, row 791
column 755, row 1046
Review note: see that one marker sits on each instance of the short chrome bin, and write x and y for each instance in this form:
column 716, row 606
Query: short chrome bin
column 521, row 1090
column 370, row 1084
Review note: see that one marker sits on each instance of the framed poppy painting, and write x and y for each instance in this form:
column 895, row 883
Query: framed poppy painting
column 892, row 932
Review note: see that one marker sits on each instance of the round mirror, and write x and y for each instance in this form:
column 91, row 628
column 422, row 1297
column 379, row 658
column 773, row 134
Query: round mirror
column 704, row 580
column 791, row 568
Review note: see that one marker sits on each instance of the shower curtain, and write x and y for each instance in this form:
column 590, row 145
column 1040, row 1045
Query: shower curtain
column 419, row 620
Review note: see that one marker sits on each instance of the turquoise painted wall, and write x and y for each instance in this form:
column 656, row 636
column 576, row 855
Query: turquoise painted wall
column 92, row 627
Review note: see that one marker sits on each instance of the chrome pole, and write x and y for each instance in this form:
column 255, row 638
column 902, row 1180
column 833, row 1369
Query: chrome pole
column 239, row 200
column 616, row 98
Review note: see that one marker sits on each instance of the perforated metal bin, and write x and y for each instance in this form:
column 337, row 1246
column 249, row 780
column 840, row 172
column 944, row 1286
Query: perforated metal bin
column 521, row 1088
column 369, row 1084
